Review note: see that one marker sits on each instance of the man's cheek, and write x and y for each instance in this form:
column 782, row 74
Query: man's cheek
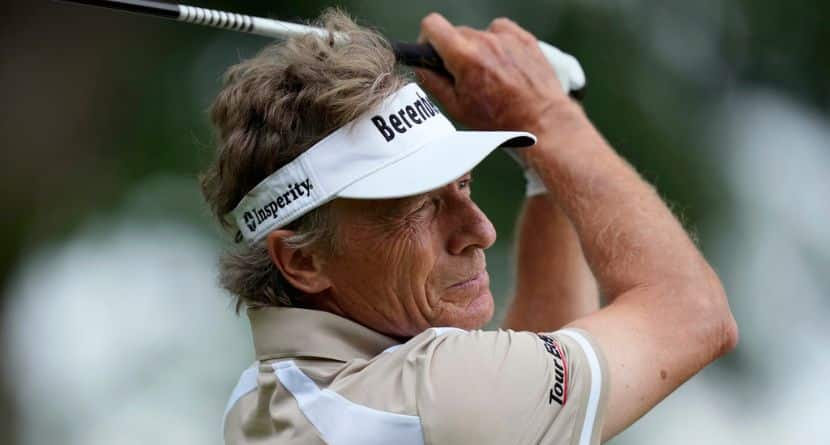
column 409, row 257
column 401, row 249
column 412, row 259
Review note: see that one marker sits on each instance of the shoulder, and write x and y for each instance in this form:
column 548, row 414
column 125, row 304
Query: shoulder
column 468, row 382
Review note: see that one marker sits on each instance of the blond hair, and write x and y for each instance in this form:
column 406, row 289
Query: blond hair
column 271, row 109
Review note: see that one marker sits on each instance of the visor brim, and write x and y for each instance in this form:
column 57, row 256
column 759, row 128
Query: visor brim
column 434, row 165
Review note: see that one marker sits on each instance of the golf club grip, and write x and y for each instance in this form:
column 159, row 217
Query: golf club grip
column 420, row 55
column 423, row 55
column 146, row 7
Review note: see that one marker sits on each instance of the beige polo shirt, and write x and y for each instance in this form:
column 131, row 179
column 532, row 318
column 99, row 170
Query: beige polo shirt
column 323, row 379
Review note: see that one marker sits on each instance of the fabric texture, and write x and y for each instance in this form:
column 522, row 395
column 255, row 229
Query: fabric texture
column 323, row 379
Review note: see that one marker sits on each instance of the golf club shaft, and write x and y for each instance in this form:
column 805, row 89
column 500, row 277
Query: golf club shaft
column 417, row 55
column 410, row 54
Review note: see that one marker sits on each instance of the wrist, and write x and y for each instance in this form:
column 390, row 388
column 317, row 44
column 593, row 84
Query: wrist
column 558, row 115
column 564, row 137
column 567, row 146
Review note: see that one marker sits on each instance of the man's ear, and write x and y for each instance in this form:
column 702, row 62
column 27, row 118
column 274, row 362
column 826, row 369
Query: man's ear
column 301, row 267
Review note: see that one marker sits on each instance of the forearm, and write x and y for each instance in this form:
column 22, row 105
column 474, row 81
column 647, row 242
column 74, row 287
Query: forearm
column 629, row 236
column 554, row 283
column 668, row 316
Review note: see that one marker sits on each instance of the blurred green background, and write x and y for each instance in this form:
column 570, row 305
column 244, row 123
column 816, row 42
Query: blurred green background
column 113, row 328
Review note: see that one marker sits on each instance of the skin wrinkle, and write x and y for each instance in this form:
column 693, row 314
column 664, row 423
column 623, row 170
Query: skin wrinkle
column 395, row 262
column 407, row 231
column 424, row 308
column 389, row 319
column 423, row 245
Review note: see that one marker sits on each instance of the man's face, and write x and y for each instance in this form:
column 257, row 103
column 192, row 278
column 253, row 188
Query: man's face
column 408, row 264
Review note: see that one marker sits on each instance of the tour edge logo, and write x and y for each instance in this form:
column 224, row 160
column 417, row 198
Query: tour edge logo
column 559, row 392
column 406, row 117
column 256, row 216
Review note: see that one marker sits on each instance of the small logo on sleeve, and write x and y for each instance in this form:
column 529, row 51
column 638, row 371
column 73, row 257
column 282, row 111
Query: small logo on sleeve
column 559, row 391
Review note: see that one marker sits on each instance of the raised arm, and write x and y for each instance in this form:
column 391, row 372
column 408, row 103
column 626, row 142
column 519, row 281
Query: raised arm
column 668, row 315
column 554, row 285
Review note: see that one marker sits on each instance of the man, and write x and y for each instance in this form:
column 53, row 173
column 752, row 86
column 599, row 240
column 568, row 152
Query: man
column 362, row 262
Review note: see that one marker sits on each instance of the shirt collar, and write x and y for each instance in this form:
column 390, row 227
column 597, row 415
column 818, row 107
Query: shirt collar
column 281, row 332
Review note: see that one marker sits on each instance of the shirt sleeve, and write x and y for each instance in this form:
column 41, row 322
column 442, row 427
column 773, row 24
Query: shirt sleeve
column 497, row 387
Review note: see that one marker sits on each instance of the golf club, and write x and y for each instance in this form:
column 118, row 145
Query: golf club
column 567, row 68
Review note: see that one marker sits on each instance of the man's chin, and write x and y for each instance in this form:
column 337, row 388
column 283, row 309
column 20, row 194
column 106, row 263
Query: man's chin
column 482, row 310
column 477, row 312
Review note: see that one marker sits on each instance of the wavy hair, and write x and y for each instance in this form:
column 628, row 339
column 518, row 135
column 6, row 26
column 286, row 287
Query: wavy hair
column 271, row 109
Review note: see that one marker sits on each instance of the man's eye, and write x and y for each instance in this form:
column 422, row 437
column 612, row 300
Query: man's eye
column 465, row 183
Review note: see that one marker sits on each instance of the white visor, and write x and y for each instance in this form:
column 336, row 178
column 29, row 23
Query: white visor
column 402, row 148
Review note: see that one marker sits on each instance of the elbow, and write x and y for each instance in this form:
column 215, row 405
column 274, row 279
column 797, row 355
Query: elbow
column 703, row 314
column 726, row 333
column 729, row 333
column 723, row 329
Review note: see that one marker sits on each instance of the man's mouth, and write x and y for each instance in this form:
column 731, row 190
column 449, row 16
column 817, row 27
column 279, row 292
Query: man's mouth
column 472, row 282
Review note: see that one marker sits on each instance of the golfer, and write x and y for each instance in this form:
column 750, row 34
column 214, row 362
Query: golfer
column 361, row 252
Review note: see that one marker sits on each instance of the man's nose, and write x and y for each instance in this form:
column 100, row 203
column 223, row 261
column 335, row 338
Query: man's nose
column 471, row 228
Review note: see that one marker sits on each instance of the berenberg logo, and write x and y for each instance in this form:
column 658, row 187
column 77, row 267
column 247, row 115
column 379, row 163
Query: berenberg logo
column 257, row 216
column 420, row 110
